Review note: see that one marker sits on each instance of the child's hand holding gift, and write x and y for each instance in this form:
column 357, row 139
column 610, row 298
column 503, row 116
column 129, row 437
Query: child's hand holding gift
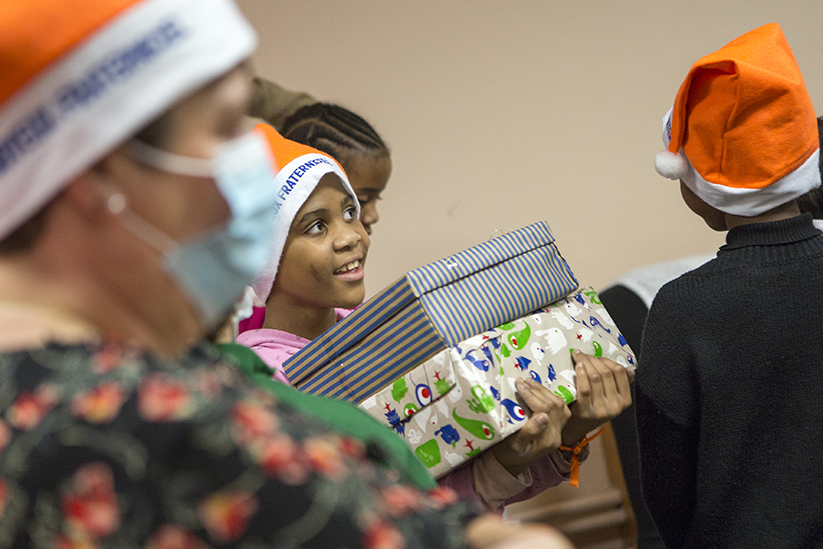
column 603, row 391
column 540, row 435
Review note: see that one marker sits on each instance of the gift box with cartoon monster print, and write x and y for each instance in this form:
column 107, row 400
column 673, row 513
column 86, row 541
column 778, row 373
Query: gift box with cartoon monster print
column 463, row 401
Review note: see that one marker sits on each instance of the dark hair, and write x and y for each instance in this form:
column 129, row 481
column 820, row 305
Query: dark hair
column 812, row 201
column 26, row 235
column 334, row 130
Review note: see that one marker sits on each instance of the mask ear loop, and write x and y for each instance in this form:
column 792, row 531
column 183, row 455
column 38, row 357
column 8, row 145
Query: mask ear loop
column 139, row 227
column 168, row 161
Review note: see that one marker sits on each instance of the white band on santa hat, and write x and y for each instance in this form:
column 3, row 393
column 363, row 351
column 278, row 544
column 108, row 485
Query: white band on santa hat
column 755, row 201
column 101, row 92
column 295, row 183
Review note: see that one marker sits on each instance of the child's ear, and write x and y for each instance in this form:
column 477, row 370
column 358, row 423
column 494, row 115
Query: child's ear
column 94, row 194
column 91, row 191
column 713, row 217
column 88, row 196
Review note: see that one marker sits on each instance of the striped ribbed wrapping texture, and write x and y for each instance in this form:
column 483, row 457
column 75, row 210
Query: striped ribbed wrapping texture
column 495, row 295
column 431, row 308
column 388, row 353
column 485, row 255
column 345, row 334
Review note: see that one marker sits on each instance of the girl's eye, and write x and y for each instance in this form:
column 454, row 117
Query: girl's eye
column 349, row 214
column 316, row 228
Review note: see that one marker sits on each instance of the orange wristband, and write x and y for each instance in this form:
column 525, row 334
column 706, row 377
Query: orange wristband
column 574, row 475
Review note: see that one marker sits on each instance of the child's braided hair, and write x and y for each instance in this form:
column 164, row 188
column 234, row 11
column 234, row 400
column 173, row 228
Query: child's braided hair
column 334, row 130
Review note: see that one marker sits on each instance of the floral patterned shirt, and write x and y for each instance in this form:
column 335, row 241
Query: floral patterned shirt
column 102, row 446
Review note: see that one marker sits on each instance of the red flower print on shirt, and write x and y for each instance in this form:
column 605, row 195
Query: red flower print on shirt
column 226, row 515
column 90, row 504
column 108, row 358
column 29, row 409
column 252, row 422
column 353, row 447
column 441, row 497
column 383, row 535
column 100, row 404
column 172, row 536
column 325, row 457
column 401, row 500
column 280, row 456
column 160, row 398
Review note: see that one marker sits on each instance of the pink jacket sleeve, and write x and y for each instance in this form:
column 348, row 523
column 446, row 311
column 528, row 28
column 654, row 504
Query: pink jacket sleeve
column 273, row 359
column 274, row 346
column 486, row 481
column 273, row 349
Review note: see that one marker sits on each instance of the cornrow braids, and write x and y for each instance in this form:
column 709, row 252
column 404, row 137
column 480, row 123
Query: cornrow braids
column 334, row 130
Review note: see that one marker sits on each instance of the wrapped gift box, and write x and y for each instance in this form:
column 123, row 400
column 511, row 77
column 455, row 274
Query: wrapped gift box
column 430, row 309
column 463, row 401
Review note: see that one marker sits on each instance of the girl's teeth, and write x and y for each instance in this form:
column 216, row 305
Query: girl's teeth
column 350, row 267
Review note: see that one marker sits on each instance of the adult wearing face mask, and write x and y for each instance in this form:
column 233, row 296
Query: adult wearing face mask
column 132, row 214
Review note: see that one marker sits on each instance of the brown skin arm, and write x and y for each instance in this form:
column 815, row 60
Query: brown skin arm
column 274, row 104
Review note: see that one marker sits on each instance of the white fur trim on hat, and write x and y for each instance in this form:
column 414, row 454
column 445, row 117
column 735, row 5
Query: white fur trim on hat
column 730, row 199
column 671, row 165
column 103, row 91
column 295, row 183
column 751, row 202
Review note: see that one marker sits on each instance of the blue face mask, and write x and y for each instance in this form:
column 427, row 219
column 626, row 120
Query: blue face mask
column 215, row 267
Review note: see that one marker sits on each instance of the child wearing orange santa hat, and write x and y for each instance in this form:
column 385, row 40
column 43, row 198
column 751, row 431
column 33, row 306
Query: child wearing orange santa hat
column 731, row 371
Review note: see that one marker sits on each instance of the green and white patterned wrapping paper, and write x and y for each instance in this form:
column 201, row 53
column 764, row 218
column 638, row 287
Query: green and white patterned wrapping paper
column 463, row 401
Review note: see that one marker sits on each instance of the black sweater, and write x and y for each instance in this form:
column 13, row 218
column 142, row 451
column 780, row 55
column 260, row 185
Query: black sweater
column 730, row 394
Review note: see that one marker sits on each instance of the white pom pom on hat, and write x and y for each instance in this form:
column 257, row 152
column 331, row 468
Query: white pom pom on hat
column 671, row 165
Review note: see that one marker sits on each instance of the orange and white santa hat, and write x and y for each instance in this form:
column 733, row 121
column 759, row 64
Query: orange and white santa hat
column 79, row 77
column 299, row 168
column 743, row 133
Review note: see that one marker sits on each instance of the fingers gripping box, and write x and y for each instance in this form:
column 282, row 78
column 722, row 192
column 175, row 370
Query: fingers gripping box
column 463, row 401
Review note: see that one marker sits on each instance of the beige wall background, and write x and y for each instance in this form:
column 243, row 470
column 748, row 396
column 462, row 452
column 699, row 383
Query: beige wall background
column 503, row 113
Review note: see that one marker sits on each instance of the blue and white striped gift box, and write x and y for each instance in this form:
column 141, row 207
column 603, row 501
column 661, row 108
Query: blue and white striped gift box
column 431, row 308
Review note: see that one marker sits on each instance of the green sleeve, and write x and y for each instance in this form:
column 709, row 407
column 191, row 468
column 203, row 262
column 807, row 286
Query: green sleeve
column 340, row 416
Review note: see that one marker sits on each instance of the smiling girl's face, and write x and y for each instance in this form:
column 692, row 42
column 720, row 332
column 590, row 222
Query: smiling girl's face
column 323, row 259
